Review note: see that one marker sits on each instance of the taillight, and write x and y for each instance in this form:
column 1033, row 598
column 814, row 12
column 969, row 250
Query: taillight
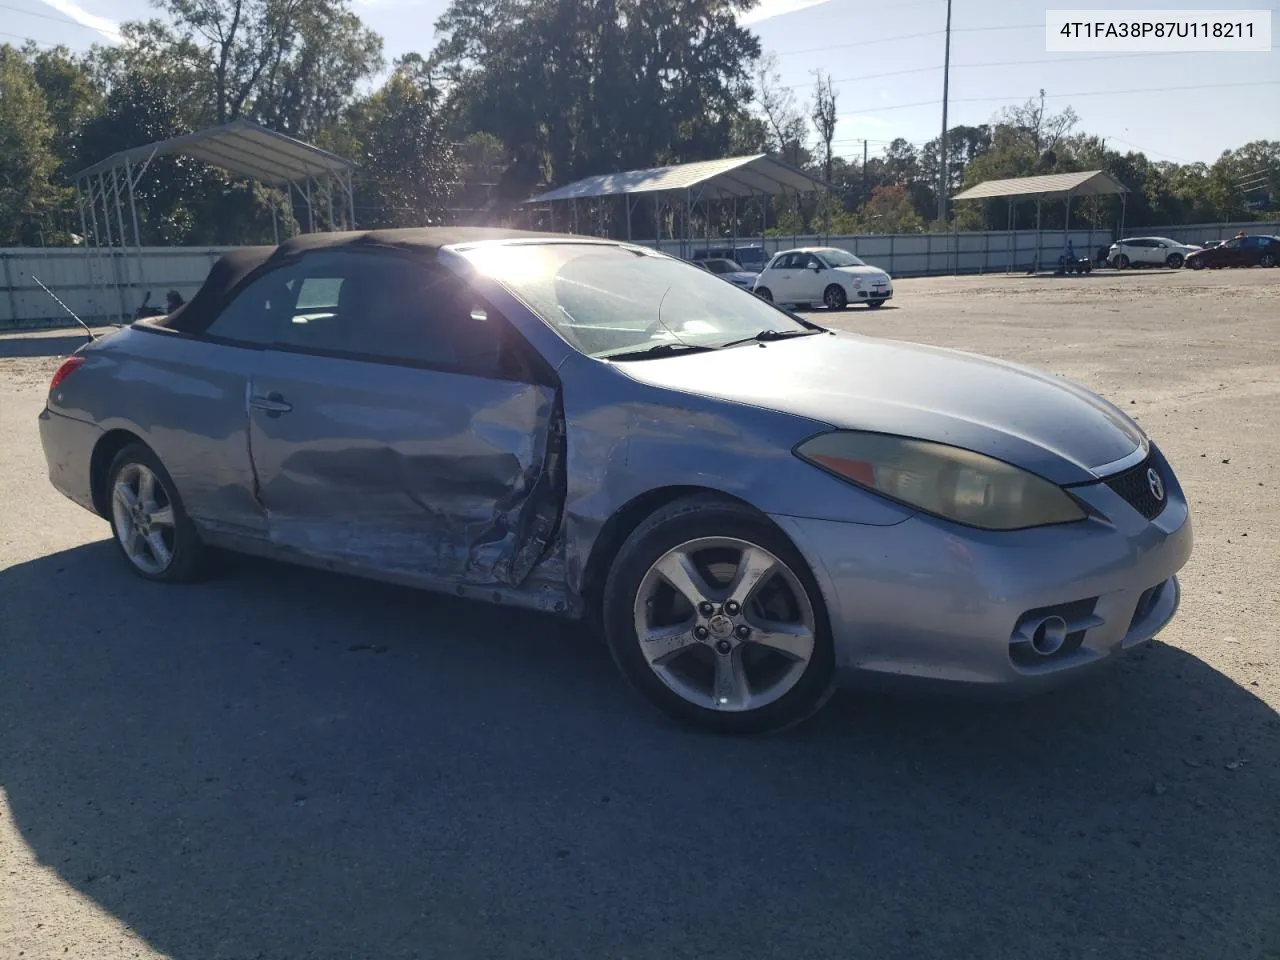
column 69, row 366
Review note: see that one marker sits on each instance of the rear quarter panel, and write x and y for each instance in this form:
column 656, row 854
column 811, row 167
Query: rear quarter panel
column 185, row 399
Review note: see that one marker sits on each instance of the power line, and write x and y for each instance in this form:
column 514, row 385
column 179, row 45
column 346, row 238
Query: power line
column 996, row 63
column 60, row 18
column 908, row 36
column 18, row 36
column 876, row 7
column 1061, row 96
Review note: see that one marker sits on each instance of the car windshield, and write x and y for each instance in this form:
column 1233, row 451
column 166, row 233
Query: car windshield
column 840, row 258
column 607, row 299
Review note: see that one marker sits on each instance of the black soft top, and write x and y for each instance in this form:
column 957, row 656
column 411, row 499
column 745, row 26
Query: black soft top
column 235, row 267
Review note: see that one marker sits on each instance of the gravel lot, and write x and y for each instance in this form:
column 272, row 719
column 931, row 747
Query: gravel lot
column 284, row 764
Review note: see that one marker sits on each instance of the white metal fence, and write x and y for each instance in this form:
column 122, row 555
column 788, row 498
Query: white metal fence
column 87, row 283
column 992, row 251
column 111, row 285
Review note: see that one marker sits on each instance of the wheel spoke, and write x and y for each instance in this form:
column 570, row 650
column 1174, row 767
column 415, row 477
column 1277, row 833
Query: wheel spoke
column 124, row 496
column 146, row 485
column 137, row 544
column 162, row 516
column 793, row 640
column 731, row 690
column 662, row 643
column 678, row 570
column 159, row 551
column 753, row 568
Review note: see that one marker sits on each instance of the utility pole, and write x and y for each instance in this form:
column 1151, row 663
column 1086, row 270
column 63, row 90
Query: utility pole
column 942, row 142
column 864, row 172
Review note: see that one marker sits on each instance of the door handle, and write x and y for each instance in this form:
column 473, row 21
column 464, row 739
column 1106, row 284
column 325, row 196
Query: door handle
column 273, row 404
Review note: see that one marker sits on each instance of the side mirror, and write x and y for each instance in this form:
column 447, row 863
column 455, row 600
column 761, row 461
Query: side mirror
column 815, row 267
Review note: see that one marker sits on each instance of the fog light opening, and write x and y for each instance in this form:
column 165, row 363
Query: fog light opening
column 1049, row 636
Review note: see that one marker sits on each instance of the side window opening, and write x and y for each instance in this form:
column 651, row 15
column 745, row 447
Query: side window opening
column 384, row 306
column 257, row 311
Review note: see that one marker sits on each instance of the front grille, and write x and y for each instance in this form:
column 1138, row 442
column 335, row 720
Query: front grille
column 1135, row 487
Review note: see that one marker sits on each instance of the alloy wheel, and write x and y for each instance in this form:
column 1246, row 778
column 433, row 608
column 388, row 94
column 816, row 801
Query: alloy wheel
column 724, row 624
column 144, row 518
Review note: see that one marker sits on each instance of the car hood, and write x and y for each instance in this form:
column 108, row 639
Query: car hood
column 1033, row 420
column 741, row 276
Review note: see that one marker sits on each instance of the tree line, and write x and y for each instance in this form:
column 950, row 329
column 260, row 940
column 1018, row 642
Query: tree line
column 517, row 95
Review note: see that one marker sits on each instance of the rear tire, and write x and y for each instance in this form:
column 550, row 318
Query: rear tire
column 701, row 665
column 1267, row 260
column 764, row 294
column 148, row 521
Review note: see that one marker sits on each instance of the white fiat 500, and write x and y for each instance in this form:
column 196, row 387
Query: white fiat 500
column 826, row 275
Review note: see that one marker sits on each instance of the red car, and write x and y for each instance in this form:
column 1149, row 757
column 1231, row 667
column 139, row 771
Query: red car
column 1258, row 250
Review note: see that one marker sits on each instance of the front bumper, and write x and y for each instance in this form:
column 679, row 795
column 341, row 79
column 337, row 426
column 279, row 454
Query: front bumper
column 863, row 294
column 929, row 600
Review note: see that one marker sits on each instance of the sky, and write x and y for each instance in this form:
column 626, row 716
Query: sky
column 887, row 62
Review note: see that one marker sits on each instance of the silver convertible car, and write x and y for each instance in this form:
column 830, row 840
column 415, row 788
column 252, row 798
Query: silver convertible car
column 748, row 506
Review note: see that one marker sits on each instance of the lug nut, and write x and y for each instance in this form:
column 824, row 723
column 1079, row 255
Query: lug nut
column 705, row 608
column 700, row 632
column 731, row 608
column 723, row 646
column 743, row 631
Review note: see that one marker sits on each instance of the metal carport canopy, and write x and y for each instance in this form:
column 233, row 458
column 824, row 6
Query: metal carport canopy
column 241, row 147
column 724, row 179
column 1053, row 186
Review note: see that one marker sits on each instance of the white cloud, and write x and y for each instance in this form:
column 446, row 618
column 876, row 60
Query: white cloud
column 768, row 9
column 68, row 8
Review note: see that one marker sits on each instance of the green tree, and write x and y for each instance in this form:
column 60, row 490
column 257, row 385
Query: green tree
column 577, row 87
column 30, row 203
column 890, row 210
column 72, row 96
column 408, row 170
column 292, row 64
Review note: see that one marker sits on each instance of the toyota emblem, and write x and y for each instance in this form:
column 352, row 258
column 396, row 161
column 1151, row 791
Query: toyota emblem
column 1155, row 484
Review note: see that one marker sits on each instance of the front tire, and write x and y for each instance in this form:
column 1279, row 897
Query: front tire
column 150, row 525
column 712, row 615
column 764, row 294
column 833, row 297
column 875, row 304
column 1196, row 264
column 1122, row 262
column 1174, row 261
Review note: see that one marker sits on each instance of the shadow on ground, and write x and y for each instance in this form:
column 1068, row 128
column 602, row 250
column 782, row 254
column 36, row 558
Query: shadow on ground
column 284, row 764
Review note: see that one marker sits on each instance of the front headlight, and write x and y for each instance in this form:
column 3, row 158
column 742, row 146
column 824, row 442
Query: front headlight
column 949, row 482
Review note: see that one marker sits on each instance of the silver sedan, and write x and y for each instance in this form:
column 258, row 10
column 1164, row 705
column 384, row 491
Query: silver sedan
column 748, row 506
